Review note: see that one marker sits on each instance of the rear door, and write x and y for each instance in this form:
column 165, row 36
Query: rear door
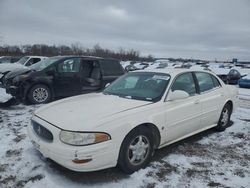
column 67, row 78
column 212, row 98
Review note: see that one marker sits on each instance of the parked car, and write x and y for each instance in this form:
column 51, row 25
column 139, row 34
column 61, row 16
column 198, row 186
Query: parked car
column 131, row 67
column 141, row 65
column 245, row 81
column 24, row 62
column 229, row 76
column 162, row 65
column 61, row 76
column 30, row 60
column 233, row 76
column 9, row 59
column 138, row 113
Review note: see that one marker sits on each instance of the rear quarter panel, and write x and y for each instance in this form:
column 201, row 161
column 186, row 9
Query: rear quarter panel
column 231, row 93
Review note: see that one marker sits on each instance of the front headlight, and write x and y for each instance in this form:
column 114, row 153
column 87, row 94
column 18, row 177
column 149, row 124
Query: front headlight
column 20, row 77
column 81, row 139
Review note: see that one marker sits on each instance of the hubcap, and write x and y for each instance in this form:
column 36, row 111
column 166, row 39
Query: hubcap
column 138, row 150
column 225, row 117
column 40, row 94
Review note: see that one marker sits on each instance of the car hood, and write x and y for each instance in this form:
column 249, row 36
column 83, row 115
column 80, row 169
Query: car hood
column 15, row 72
column 86, row 112
column 11, row 66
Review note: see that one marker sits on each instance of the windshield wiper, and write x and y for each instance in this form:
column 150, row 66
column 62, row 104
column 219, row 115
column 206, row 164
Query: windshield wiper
column 136, row 98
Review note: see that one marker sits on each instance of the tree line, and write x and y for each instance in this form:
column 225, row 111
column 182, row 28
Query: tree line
column 74, row 49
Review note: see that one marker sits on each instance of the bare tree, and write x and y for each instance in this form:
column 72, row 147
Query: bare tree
column 74, row 49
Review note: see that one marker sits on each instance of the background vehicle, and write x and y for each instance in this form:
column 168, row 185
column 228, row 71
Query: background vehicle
column 245, row 81
column 228, row 76
column 24, row 62
column 131, row 67
column 61, row 76
column 138, row 113
column 9, row 59
column 233, row 76
column 30, row 60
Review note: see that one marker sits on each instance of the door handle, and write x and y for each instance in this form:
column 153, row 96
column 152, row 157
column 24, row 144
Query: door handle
column 196, row 101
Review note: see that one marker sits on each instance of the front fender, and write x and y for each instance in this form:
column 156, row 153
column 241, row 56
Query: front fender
column 119, row 127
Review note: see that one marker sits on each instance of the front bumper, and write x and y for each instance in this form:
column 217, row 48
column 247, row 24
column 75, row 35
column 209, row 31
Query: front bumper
column 102, row 155
column 17, row 92
column 13, row 90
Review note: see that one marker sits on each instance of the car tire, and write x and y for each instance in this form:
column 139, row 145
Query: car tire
column 224, row 120
column 39, row 94
column 136, row 150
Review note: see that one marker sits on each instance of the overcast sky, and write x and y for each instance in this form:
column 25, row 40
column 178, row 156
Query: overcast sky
column 206, row 29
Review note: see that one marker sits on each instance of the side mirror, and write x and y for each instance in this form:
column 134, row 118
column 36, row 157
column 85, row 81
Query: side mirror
column 107, row 85
column 177, row 94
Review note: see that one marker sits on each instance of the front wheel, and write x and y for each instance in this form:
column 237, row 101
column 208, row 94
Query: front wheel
column 136, row 150
column 224, row 120
column 39, row 94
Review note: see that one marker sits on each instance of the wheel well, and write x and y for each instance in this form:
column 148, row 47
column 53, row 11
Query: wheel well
column 155, row 131
column 230, row 103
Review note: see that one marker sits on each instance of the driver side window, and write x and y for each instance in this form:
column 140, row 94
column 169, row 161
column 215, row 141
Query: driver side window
column 69, row 65
column 185, row 82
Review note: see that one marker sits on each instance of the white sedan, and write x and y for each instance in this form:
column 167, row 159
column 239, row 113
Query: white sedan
column 138, row 113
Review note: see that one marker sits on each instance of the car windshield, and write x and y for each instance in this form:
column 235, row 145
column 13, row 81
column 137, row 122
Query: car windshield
column 148, row 86
column 23, row 60
column 44, row 63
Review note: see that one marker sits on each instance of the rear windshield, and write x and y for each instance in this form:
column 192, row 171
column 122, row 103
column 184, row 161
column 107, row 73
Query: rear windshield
column 111, row 67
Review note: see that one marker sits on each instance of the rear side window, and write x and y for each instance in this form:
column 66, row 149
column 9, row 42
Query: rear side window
column 234, row 72
column 216, row 81
column 185, row 82
column 32, row 61
column 35, row 60
column 205, row 81
column 111, row 67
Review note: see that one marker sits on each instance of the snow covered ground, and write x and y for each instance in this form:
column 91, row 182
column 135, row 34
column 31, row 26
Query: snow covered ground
column 210, row 159
column 4, row 96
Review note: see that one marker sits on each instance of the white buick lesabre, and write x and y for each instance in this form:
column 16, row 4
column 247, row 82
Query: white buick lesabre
column 138, row 113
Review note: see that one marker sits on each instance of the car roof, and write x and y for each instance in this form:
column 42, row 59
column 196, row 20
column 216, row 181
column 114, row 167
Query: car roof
column 36, row 56
column 84, row 57
column 173, row 71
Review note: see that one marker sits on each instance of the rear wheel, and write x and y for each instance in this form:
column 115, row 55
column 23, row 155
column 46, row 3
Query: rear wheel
column 224, row 120
column 136, row 150
column 39, row 94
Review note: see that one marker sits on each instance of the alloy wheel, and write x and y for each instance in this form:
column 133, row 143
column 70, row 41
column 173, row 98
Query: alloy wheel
column 138, row 150
column 40, row 94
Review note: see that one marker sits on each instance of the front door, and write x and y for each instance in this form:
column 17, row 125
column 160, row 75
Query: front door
column 183, row 117
column 67, row 78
